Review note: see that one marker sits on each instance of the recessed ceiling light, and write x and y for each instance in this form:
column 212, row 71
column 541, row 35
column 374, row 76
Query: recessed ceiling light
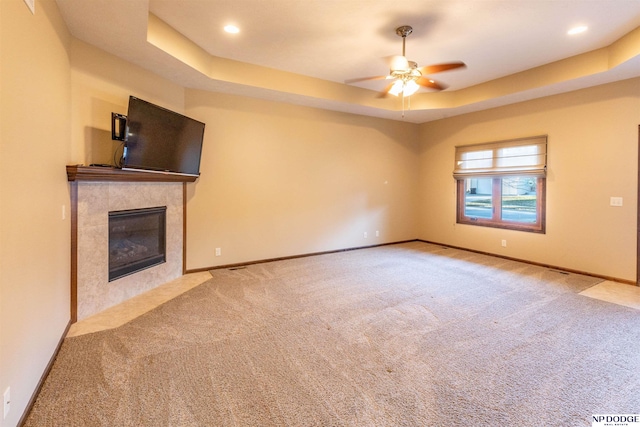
column 231, row 29
column 577, row 30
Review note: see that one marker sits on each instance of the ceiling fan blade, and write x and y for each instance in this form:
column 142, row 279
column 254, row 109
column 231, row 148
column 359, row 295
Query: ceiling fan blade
column 385, row 92
column 438, row 68
column 364, row 79
column 425, row 82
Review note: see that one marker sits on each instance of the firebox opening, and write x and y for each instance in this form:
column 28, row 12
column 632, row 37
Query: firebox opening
column 137, row 240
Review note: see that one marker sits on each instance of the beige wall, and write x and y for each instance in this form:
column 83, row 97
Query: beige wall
column 592, row 155
column 280, row 180
column 101, row 84
column 34, row 238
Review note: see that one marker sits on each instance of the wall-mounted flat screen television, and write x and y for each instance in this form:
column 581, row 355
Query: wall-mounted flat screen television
column 160, row 140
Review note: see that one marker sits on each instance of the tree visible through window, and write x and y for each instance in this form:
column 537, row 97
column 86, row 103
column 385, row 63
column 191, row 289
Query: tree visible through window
column 502, row 184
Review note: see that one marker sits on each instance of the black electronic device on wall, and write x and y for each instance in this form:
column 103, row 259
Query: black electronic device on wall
column 160, row 140
column 118, row 126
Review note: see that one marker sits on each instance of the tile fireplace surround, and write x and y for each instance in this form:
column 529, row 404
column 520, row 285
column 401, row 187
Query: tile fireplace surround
column 96, row 191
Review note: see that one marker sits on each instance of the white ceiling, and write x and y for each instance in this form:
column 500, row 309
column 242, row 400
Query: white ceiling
column 337, row 40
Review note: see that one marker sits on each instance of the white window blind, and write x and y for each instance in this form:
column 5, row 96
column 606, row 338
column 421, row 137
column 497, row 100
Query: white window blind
column 525, row 156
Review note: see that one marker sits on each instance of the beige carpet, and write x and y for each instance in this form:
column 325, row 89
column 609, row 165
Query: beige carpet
column 401, row 335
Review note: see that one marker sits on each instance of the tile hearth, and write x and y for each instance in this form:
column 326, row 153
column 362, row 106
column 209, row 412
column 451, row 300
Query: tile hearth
column 134, row 307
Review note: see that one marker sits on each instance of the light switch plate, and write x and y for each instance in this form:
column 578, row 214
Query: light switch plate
column 6, row 397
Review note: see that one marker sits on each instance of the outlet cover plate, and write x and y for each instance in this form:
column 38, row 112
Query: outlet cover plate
column 615, row 201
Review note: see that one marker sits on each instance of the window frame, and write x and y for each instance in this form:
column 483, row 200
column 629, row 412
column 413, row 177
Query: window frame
column 496, row 221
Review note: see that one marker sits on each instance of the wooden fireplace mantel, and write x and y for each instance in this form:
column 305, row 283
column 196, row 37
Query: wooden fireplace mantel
column 99, row 173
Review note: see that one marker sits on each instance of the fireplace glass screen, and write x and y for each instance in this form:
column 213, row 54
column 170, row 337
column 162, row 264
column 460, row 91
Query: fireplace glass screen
column 136, row 240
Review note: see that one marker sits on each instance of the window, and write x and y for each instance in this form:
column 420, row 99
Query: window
column 502, row 184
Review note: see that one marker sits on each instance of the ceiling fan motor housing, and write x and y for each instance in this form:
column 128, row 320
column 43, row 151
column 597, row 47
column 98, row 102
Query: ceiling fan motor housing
column 404, row 30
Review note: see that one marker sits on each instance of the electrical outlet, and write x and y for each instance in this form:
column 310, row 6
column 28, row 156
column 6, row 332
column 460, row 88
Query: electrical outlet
column 218, row 251
column 7, row 401
column 377, row 233
column 615, row 201
column 504, row 243
column 365, row 234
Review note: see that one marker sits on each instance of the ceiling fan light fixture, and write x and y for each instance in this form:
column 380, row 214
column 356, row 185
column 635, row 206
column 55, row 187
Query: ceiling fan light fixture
column 406, row 88
column 410, row 87
column 397, row 88
column 399, row 63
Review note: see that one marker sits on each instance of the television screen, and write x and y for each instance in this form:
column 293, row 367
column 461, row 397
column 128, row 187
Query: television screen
column 160, row 140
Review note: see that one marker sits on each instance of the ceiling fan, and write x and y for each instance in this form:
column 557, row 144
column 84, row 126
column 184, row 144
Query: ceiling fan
column 407, row 77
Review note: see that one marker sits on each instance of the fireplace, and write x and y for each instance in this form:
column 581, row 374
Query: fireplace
column 137, row 240
column 97, row 191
